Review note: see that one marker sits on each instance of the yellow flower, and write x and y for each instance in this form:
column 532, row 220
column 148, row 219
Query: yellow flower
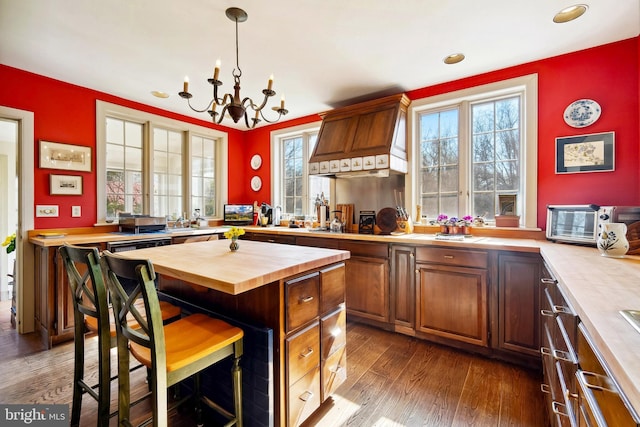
column 10, row 243
column 234, row 233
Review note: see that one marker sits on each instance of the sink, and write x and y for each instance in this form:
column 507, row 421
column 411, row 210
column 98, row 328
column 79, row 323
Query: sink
column 633, row 317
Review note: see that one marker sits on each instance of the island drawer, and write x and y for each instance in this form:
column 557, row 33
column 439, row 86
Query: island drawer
column 304, row 397
column 303, row 352
column 332, row 281
column 334, row 332
column 467, row 258
column 376, row 250
column 334, row 372
column 303, row 300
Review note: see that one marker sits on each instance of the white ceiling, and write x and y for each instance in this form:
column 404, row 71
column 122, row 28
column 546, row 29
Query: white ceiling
column 323, row 53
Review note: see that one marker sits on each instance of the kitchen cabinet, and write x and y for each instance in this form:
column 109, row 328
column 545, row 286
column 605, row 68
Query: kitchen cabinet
column 368, row 129
column 315, row 340
column 270, row 238
column 518, row 288
column 403, row 289
column 452, row 295
column 367, row 282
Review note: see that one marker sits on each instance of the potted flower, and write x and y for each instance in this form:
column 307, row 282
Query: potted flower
column 10, row 243
column 454, row 227
column 467, row 221
column 233, row 233
column 443, row 221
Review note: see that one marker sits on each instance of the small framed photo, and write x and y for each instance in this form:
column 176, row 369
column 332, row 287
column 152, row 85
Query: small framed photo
column 65, row 185
column 507, row 204
column 585, row 153
column 54, row 155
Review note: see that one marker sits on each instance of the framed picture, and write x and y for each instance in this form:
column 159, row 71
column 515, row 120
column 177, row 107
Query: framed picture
column 65, row 185
column 54, row 155
column 585, row 153
column 507, row 204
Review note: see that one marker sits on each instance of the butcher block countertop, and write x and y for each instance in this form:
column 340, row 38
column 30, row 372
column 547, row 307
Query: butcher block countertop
column 213, row 265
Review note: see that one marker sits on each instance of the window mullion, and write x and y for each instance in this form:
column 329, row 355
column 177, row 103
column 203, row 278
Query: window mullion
column 465, row 163
column 147, row 161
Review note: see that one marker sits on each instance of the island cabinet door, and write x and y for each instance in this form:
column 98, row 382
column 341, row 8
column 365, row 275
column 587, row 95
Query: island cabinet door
column 303, row 374
column 452, row 303
column 333, row 328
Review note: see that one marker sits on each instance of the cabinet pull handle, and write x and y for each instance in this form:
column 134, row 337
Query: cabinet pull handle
column 588, row 396
column 305, row 396
column 557, row 409
column 583, row 377
column 448, row 257
column 548, row 281
column 307, row 353
column 271, row 240
column 545, row 351
column 306, row 299
column 548, row 313
column 561, row 309
column 545, row 388
column 563, row 355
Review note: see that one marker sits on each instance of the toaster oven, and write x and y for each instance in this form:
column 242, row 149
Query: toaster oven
column 581, row 223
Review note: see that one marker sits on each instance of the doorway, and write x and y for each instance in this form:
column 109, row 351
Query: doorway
column 9, row 210
column 18, row 125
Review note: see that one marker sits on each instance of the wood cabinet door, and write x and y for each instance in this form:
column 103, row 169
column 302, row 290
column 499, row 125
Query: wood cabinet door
column 519, row 303
column 335, row 137
column 452, row 303
column 367, row 288
column 403, row 288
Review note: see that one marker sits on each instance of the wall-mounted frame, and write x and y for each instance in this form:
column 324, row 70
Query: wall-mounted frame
column 507, row 204
column 65, row 185
column 54, row 155
column 585, row 153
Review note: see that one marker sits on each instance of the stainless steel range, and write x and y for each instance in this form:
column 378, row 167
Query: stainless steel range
column 137, row 224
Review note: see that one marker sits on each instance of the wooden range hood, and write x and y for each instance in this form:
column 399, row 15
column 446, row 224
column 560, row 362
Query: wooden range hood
column 365, row 139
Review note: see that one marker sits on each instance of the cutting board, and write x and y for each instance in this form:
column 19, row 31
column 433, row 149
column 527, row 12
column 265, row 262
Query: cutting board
column 386, row 220
column 347, row 217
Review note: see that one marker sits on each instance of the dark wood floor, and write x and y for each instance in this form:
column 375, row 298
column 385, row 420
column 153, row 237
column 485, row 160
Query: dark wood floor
column 393, row 381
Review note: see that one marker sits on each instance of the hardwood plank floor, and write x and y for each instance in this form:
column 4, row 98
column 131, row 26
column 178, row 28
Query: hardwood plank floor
column 392, row 380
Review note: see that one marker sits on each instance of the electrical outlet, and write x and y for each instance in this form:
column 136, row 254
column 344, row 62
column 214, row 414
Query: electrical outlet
column 76, row 211
column 46, row 210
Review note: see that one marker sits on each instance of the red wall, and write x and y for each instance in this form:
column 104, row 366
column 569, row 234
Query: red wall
column 609, row 74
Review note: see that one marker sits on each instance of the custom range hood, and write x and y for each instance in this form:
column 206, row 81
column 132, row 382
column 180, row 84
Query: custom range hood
column 365, row 139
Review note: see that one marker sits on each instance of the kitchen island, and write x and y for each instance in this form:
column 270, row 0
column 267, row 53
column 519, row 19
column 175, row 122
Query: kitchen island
column 296, row 292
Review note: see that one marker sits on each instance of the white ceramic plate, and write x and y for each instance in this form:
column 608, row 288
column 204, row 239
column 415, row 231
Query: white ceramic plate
column 582, row 113
column 256, row 161
column 256, row 183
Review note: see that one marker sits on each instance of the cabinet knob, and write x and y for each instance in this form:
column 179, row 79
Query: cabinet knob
column 307, row 353
column 448, row 257
column 306, row 299
column 307, row 395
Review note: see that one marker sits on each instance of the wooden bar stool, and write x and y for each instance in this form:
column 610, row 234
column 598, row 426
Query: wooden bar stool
column 174, row 352
column 91, row 313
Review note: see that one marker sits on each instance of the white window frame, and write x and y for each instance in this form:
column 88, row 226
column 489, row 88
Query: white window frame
column 106, row 109
column 528, row 87
column 277, row 138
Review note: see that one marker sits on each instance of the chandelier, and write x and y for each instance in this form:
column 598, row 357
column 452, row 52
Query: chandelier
column 233, row 104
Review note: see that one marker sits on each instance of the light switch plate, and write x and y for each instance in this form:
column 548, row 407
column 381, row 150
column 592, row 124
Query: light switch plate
column 76, row 211
column 46, row 210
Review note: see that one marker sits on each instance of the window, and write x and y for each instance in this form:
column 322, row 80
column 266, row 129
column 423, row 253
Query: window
column 149, row 164
column 474, row 145
column 294, row 189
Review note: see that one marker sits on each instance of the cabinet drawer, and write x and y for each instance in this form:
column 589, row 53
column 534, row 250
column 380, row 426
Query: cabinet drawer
column 332, row 282
column 334, row 332
column 334, row 372
column 303, row 352
column 304, row 397
column 302, row 295
column 317, row 242
column 452, row 257
column 376, row 250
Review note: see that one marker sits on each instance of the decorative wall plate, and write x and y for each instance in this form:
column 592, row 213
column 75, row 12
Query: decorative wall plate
column 582, row 113
column 256, row 162
column 256, row 183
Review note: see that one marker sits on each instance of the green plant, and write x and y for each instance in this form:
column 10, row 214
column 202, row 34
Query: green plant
column 10, row 243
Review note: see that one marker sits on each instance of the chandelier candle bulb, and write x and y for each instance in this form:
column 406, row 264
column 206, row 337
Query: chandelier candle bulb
column 270, row 82
column 282, row 102
column 185, row 86
column 216, row 71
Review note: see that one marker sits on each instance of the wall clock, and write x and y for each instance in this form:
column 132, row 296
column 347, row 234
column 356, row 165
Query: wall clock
column 256, row 183
column 256, row 162
column 582, row 113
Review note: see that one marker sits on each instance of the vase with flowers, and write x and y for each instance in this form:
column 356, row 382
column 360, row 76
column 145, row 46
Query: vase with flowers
column 232, row 234
column 443, row 221
column 465, row 224
column 10, row 243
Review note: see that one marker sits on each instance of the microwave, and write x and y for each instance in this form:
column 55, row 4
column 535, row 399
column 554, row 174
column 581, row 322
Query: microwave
column 581, row 223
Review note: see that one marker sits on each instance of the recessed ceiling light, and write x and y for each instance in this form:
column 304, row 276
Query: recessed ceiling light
column 570, row 13
column 159, row 94
column 454, row 58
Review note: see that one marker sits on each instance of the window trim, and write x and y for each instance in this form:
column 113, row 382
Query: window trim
column 528, row 86
column 149, row 120
column 276, row 137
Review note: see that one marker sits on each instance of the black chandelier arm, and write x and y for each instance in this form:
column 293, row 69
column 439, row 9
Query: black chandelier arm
column 281, row 112
column 188, row 98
